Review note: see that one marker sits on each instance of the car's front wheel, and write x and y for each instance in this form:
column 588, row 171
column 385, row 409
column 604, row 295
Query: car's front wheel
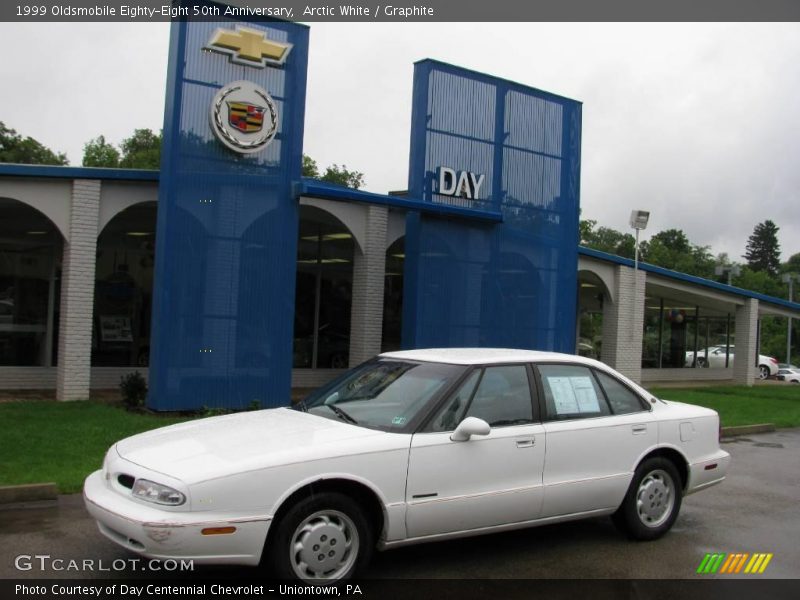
column 763, row 372
column 323, row 537
column 652, row 502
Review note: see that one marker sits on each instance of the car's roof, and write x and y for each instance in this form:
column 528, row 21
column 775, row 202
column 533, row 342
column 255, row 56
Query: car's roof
column 480, row 356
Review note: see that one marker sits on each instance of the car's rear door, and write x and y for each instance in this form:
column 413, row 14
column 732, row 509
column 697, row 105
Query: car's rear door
column 597, row 429
column 487, row 480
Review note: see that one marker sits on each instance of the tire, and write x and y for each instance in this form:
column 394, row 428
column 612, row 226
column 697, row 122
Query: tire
column 652, row 502
column 324, row 537
column 702, row 362
column 763, row 372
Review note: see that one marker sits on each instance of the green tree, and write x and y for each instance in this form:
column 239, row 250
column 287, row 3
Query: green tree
column 99, row 153
column 141, row 151
column 671, row 249
column 763, row 253
column 333, row 174
column 585, row 231
column 343, row 176
column 27, row 151
column 792, row 265
column 607, row 239
column 310, row 168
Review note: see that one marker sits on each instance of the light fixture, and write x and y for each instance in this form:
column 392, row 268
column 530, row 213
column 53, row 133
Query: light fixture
column 639, row 219
column 36, row 232
column 139, row 233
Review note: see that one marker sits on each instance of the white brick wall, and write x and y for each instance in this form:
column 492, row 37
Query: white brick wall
column 77, row 293
column 623, row 321
column 366, row 317
column 744, row 367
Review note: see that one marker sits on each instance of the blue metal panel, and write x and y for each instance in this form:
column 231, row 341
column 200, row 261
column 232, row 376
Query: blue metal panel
column 226, row 245
column 482, row 284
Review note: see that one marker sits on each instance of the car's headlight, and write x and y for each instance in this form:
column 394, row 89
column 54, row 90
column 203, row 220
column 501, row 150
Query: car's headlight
column 155, row 492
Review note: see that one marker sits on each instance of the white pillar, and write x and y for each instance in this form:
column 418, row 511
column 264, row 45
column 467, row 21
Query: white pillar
column 744, row 364
column 369, row 266
column 623, row 322
column 77, row 293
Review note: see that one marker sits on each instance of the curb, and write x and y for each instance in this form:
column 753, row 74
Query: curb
column 748, row 429
column 33, row 492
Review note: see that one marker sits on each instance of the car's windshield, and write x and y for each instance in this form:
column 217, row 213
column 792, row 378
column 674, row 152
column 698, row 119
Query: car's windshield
column 383, row 394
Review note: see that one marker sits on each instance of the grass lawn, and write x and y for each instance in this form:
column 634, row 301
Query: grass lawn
column 740, row 405
column 63, row 441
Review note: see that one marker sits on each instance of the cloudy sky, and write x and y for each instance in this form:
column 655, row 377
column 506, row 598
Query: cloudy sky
column 699, row 123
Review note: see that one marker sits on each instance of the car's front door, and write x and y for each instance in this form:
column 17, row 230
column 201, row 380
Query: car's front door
column 487, row 480
column 597, row 430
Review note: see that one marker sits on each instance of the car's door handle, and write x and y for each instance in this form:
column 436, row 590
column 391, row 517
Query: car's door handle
column 526, row 443
column 637, row 429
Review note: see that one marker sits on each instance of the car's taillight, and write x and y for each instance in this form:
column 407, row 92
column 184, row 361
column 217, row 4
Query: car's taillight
column 774, row 360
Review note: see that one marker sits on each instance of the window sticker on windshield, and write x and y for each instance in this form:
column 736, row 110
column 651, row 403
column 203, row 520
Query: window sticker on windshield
column 399, row 421
column 573, row 395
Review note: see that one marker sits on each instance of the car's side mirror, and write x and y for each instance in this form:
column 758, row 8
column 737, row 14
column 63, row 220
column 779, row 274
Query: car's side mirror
column 469, row 427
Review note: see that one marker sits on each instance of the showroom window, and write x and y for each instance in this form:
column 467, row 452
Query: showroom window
column 30, row 266
column 123, row 290
column 678, row 335
column 323, row 295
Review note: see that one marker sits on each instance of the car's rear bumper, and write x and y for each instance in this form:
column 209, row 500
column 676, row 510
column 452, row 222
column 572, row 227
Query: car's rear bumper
column 707, row 472
column 162, row 534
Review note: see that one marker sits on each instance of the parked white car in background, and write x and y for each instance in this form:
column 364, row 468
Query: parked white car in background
column 715, row 358
column 789, row 375
column 410, row 447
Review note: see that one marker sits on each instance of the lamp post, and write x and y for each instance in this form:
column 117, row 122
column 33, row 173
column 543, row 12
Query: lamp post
column 638, row 221
column 730, row 270
column 789, row 278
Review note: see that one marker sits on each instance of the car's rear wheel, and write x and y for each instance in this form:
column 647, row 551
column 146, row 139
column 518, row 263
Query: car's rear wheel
column 652, row 502
column 763, row 371
column 324, row 537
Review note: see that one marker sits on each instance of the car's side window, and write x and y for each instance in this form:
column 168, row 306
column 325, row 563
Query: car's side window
column 500, row 395
column 450, row 414
column 571, row 392
column 503, row 397
column 622, row 400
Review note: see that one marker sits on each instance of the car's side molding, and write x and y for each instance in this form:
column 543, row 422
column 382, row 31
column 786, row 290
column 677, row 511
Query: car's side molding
column 385, row 545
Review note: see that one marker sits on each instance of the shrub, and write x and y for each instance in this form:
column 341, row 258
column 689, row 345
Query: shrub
column 134, row 389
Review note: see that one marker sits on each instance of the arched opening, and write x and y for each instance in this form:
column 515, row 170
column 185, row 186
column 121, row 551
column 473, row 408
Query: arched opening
column 592, row 295
column 324, row 291
column 123, row 291
column 30, row 271
column 393, row 296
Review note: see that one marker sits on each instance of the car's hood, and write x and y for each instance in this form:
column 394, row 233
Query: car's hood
column 219, row 446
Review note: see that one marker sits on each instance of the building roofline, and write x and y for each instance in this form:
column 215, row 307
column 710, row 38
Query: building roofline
column 329, row 191
column 59, row 172
column 693, row 279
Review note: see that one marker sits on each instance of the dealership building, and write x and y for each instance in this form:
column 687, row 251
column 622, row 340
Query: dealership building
column 227, row 279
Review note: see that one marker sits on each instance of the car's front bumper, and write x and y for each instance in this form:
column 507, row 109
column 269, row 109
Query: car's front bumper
column 163, row 534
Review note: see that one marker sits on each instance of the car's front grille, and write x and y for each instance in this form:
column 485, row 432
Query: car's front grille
column 126, row 480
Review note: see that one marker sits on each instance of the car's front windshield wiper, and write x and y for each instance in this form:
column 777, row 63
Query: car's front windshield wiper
column 341, row 414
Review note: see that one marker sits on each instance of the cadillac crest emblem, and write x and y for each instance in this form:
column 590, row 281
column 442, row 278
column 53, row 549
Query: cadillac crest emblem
column 244, row 117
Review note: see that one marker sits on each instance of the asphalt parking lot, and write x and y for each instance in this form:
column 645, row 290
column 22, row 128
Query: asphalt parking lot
column 757, row 509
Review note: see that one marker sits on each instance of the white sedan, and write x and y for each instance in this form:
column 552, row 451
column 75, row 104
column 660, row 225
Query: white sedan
column 714, row 357
column 413, row 446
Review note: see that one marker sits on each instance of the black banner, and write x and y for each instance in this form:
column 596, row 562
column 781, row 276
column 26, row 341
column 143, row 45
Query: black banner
column 408, row 10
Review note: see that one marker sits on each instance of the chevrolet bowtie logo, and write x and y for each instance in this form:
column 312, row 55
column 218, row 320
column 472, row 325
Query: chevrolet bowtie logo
column 249, row 47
